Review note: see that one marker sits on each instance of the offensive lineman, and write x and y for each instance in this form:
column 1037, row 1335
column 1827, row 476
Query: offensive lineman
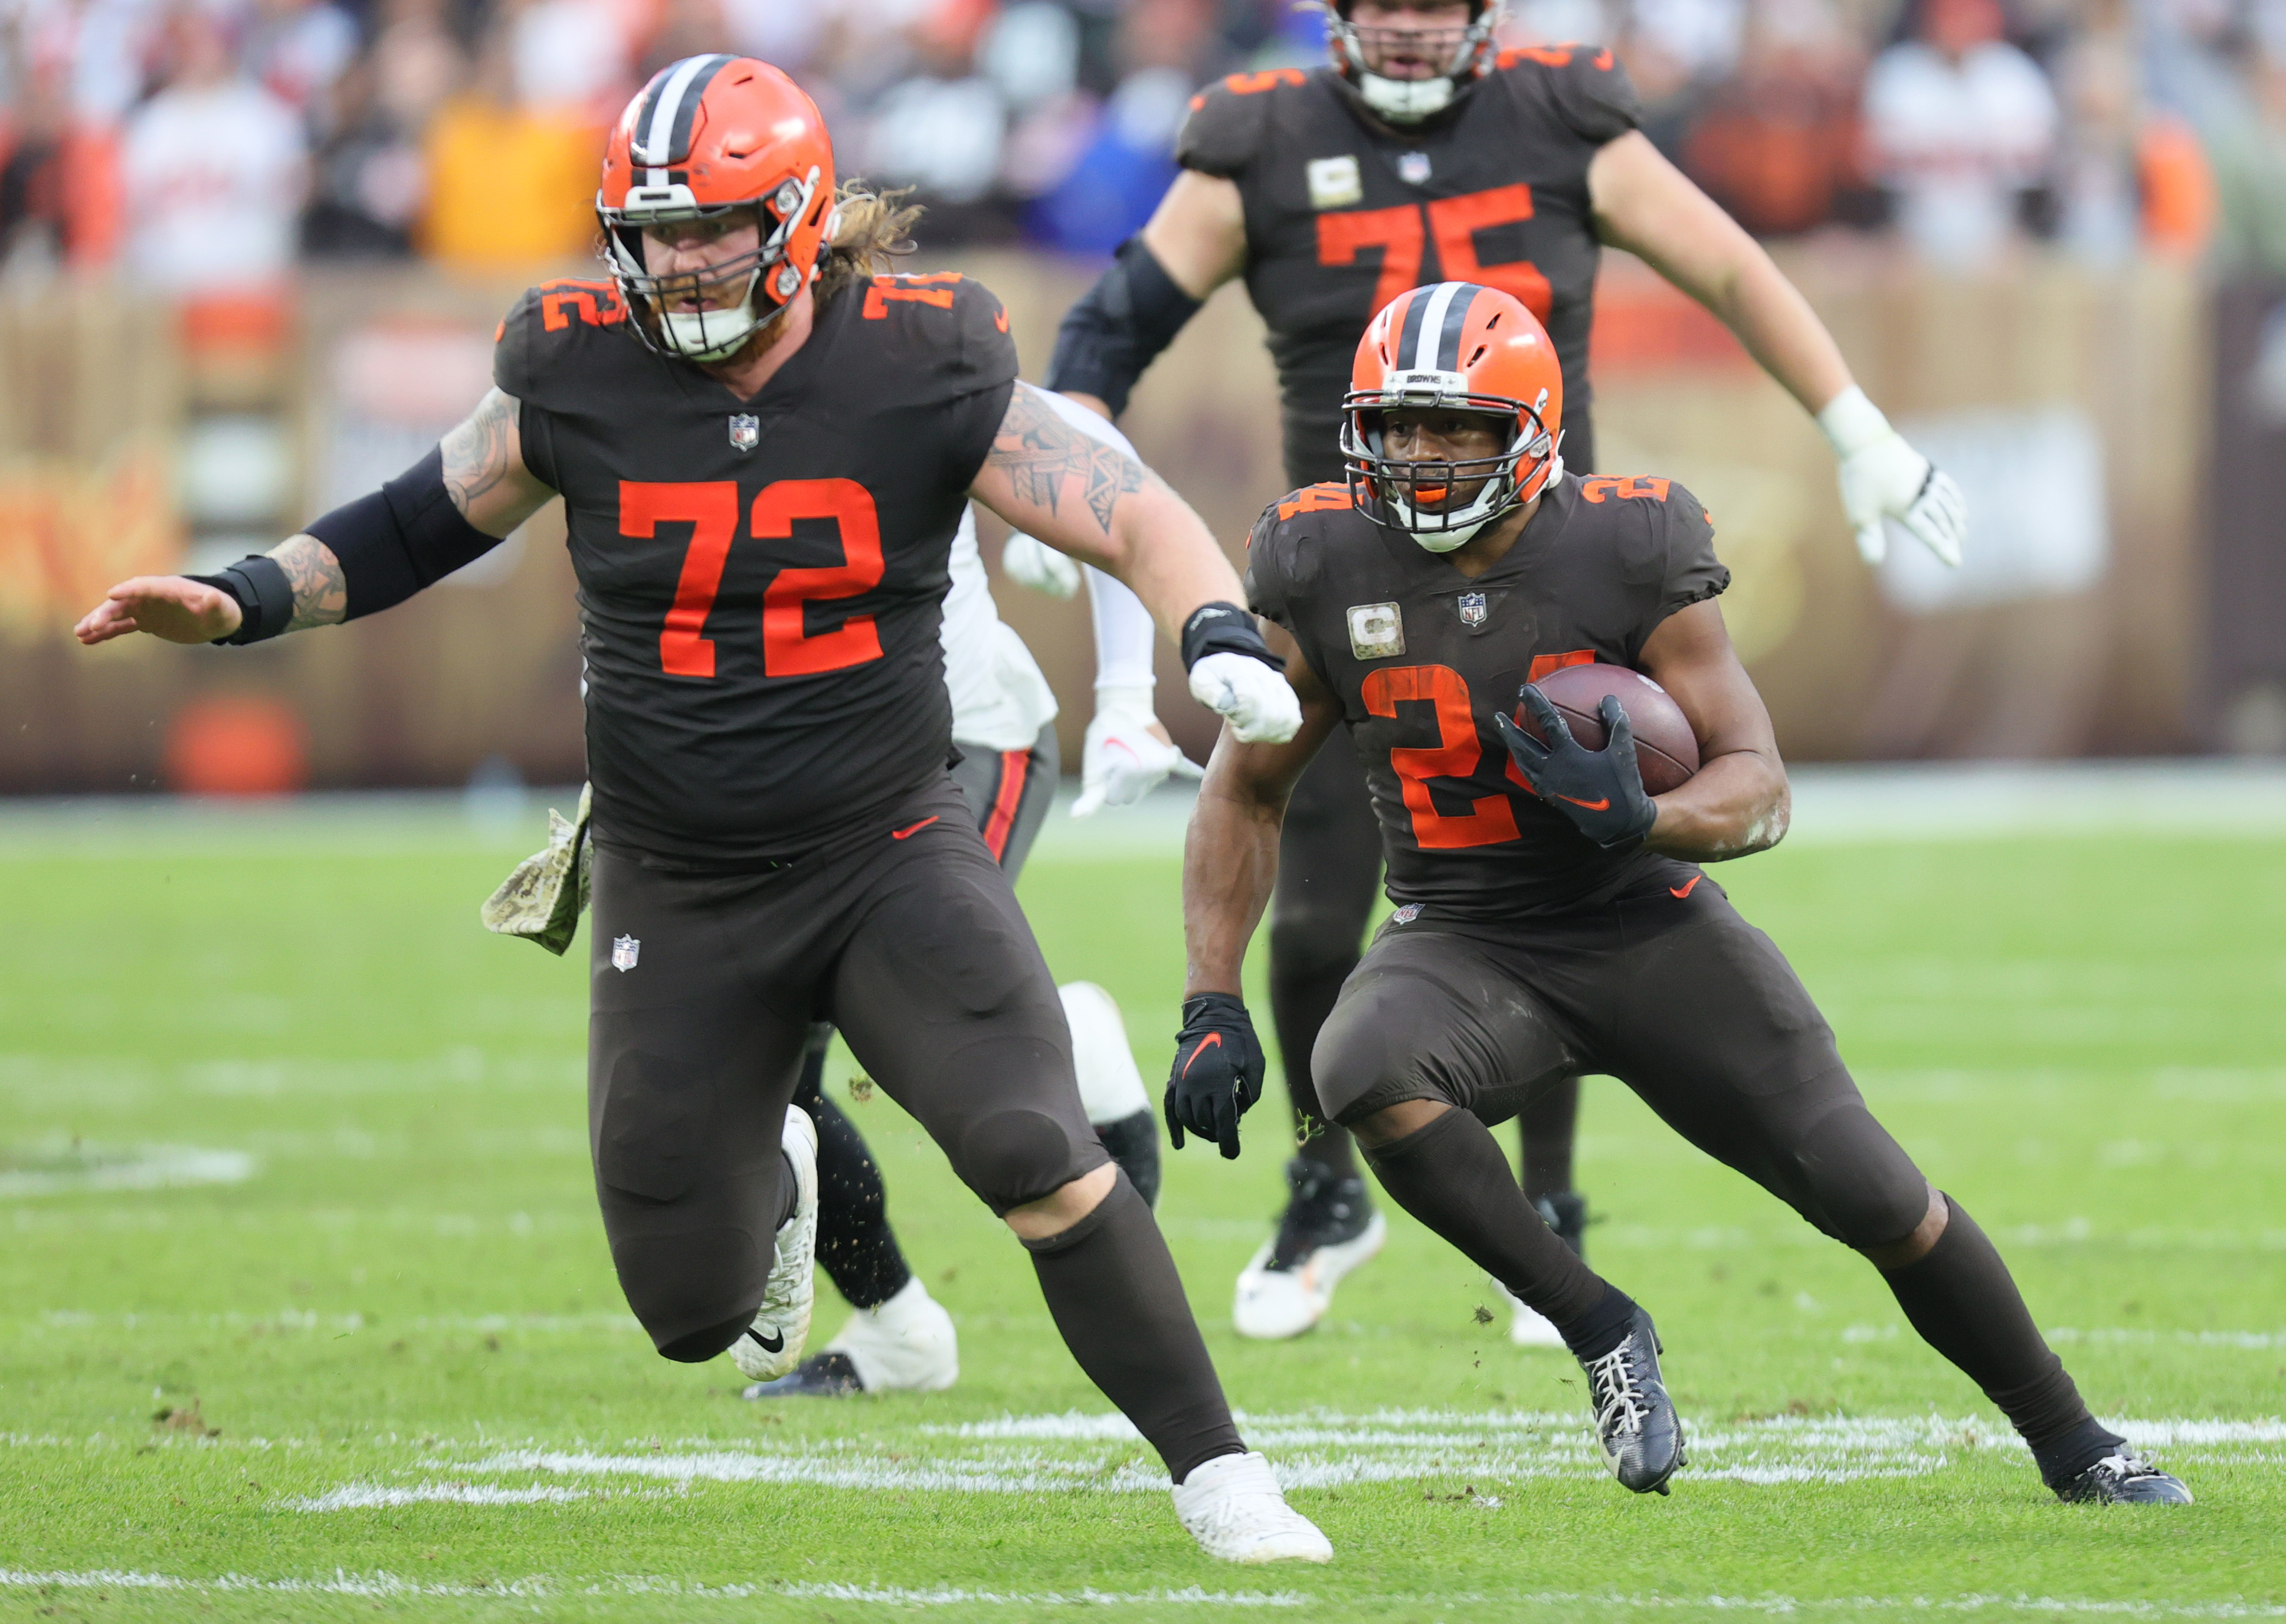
column 1552, row 918
column 764, row 452
column 1420, row 154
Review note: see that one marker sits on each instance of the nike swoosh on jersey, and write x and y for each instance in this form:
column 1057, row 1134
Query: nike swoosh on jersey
column 1211, row 1041
column 899, row 835
column 1603, row 805
column 1689, row 885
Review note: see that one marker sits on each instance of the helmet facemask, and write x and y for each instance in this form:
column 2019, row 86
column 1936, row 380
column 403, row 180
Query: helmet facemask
column 704, row 334
column 1410, row 102
column 1417, row 495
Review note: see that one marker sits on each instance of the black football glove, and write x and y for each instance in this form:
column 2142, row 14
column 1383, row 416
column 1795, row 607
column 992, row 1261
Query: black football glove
column 1218, row 1071
column 1600, row 790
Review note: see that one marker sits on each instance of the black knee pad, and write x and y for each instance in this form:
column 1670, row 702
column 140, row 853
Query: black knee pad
column 1016, row 1156
column 1856, row 1183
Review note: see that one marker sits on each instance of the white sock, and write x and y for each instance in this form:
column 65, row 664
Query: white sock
column 1110, row 1086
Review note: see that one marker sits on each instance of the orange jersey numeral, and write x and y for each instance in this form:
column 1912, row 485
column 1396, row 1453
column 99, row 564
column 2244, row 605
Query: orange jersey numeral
column 1457, row 753
column 597, row 303
column 908, row 289
column 711, row 509
column 1402, row 232
column 1635, row 486
column 1317, row 498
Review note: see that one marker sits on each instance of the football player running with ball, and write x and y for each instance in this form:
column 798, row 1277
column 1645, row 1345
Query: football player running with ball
column 1420, row 154
column 764, row 452
column 1551, row 918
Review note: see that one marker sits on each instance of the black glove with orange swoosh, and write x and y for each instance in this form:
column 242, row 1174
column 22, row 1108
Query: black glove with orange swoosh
column 1218, row 1071
column 1600, row 790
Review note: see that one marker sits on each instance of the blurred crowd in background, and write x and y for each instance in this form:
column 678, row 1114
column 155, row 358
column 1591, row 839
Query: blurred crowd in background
column 208, row 144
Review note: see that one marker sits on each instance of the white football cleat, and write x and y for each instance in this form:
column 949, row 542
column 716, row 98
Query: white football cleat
column 1328, row 1229
column 771, row 1346
column 1234, row 1509
column 907, row 1344
column 1527, row 1327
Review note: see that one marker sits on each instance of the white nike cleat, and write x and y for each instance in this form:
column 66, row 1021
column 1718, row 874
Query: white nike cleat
column 1527, row 1327
column 1328, row 1229
column 771, row 1346
column 1234, row 1509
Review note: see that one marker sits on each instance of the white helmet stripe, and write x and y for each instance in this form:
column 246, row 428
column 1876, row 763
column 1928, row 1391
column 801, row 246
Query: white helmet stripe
column 657, row 146
column 1432, row 326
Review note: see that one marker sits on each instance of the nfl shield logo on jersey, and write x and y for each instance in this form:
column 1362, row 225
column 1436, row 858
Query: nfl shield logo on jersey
column 1472, row 609
column 625, row 951
column 745, row 433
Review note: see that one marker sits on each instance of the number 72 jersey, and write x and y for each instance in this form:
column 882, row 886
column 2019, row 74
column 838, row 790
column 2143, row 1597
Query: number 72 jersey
column 762, row 579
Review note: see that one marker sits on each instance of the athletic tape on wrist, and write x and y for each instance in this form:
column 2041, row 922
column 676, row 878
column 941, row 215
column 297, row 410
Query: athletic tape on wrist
column 1225, row 628
column 257, row 584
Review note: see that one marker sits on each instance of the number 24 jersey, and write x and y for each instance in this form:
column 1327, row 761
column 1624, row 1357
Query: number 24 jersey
column 1420, row 657
column 760, row 579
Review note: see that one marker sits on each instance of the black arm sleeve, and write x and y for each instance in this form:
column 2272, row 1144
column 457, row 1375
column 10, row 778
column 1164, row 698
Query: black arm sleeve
column 1132, row 313
column 405, row 536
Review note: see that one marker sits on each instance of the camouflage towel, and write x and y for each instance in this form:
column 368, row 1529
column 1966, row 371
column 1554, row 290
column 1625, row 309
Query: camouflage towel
column 535, row 901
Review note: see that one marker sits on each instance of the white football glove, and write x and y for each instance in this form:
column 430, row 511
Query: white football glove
column 1030, row 562
column 1256, row 701
column 1122, row 759
column 1883, row 477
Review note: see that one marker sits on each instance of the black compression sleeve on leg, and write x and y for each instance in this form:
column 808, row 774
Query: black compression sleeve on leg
column 1132, row 313
column 1452, row 1176
column 1959, row 1297
column 1113, row 1293
column 403, row 537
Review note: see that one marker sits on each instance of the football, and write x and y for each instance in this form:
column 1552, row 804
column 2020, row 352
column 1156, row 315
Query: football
column 1667, row 751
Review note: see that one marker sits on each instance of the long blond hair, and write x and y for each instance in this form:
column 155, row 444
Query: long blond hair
column 875, row 226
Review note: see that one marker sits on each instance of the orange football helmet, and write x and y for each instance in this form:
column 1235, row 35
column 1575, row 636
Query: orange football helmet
column 707, row 137
column 1453, row 346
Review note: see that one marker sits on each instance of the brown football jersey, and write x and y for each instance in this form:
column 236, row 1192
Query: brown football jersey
column 760, row 579
column 1422, row 657
column 1344, row 212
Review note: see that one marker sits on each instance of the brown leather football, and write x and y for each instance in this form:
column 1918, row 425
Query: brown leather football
column 1667, row 751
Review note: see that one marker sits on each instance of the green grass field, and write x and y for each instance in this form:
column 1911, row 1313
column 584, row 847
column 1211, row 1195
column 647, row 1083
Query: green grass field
column 390, row 1300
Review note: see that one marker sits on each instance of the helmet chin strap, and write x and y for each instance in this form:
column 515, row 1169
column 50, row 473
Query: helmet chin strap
column 693, row 334
column 1446, row 541
column 1410, row 102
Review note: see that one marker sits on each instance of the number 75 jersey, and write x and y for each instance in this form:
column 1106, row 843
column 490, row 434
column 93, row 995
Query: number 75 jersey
column 1344, row 213
column 762, row 579
column 1422, row 657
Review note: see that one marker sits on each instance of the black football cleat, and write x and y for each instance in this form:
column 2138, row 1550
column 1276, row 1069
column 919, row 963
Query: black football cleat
column 821, row 1376
column 2126, row 1480
column 1635, row 1423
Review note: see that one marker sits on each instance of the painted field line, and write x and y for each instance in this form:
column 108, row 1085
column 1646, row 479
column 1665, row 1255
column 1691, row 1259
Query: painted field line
column 379, row 1586
column 366, row 1497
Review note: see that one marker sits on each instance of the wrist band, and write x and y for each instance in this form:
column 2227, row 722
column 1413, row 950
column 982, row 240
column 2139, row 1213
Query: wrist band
column 264, row 597
column 1225, row 628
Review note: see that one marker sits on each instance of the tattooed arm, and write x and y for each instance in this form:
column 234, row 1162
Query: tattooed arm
column 1049, row 475
column 484, row 475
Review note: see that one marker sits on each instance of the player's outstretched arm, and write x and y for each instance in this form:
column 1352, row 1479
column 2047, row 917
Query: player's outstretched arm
column 452, row 506
column 1645, row 205
column 1738, row 802
column 1059, row 472
column 1230, row 862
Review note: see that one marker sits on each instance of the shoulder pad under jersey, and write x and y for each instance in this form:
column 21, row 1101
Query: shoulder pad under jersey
column 1227, row 121
column 948, row 334
column 1585, row 86
column 546, row 327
